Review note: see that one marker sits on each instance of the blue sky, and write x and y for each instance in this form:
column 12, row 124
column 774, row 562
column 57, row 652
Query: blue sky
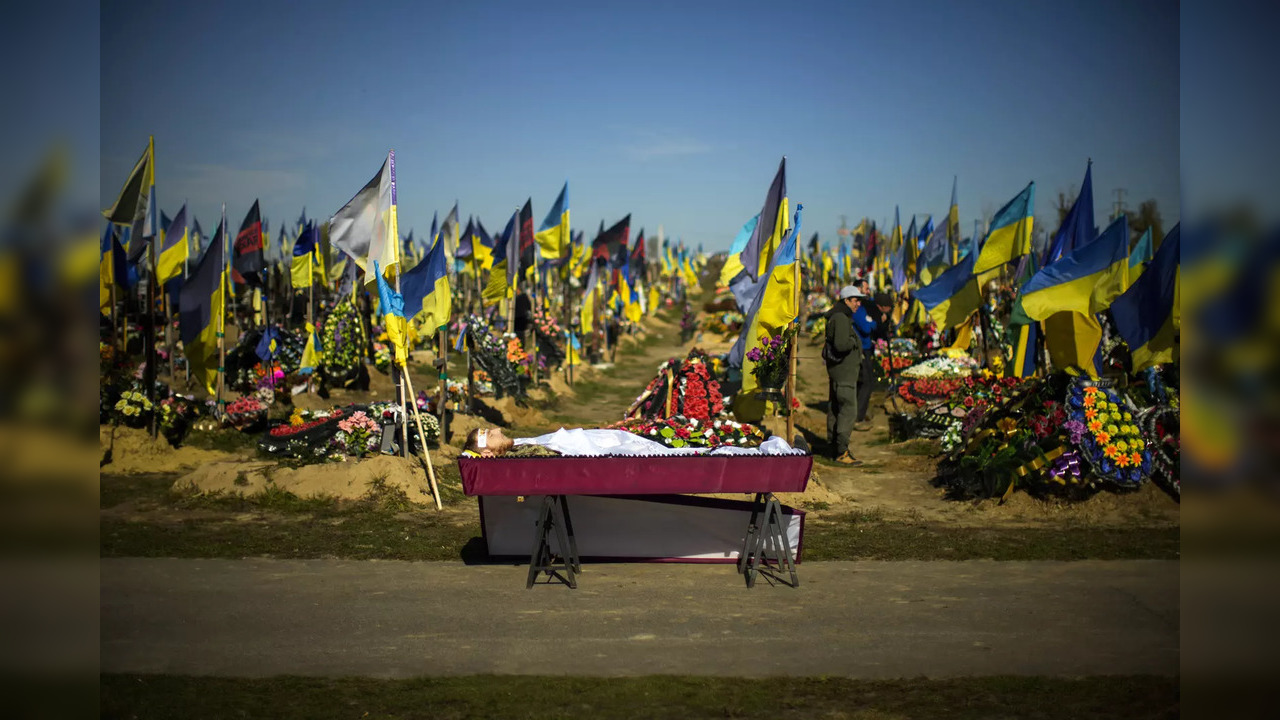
column 675, row 112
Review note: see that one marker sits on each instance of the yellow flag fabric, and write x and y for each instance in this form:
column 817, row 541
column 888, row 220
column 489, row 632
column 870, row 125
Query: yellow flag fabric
column 1072, row 338
column 777, row 309
column 1010, row 235
column 300, row 271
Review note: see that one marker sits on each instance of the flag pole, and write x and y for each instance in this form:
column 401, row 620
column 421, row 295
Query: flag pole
column 426, row 454
column 149, row 329
column 791, row 355
column 222, row 316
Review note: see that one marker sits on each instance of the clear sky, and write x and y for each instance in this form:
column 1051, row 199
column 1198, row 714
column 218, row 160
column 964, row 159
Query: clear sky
column 675, row 112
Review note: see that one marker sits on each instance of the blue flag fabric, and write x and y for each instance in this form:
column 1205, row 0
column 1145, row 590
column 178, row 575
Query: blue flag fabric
column 269, row 344
column 1077, row 229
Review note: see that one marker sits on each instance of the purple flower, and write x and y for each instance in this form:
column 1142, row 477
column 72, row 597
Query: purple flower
column 754, row 355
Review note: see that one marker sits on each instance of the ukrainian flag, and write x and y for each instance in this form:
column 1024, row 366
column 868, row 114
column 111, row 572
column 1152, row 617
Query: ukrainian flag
column 1146, row 314
column 202, row 306
column 953, row 225
column 553, row 237
column 391, row 307
column 1010, row 234
column 733, row 263
column 112, row 268
column 771, row 229
column 499, row 286
column 302, row 269
column 312, row 354
column 173, row 256
column 775, row 307
column 1085, row 280
column 1141, row 255
column 953, row 296
column 426, row 290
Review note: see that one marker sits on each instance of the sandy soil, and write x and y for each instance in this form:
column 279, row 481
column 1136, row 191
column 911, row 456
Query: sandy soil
column 344, row 481
column 134, row 451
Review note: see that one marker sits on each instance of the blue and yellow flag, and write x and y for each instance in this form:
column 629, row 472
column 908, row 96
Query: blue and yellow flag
column 202, row 311
column 112, row 267
column 173, row 255
column 1077, row 228
column 302, row 268
column 1084, row 280
column 935, row 256
column 554, row 236
column 312, row 352
column 505, row 252
column 953, row 225
column 1010, row 234
column 774, row 308
column 1146, row 314
column 391, row 308
column 771, row 228
column 1142, row 253
column 953, row 296
column 733, row 263
column 136, row 206
column 426, row 290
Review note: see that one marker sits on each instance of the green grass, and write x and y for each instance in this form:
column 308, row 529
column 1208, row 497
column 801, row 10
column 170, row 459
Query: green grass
column 355, row 535
column 447, row 698
column 867, row 537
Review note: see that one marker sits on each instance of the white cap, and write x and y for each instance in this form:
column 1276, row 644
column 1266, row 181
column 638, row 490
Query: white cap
column 849, row 291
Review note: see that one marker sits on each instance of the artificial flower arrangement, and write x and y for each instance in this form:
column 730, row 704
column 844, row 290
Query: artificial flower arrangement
column 678, row 431
column 389, row 413
column 942, row 366
column 771, row 358
column 382, row 357
column 176, row 414
column 491, row 355
column 357, row 436
column 695, row 394
column 897, row 354
column 1103, row 429
column 245, row 413
column 133, row 408
column 301, row 421
column 343, row 343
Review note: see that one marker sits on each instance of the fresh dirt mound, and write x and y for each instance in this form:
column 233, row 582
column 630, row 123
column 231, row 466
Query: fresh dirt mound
column 344, row 481
column 134, row 451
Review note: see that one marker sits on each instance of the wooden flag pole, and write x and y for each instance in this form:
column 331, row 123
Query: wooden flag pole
column 443, row 361
column 400, row 386
column 222, row 318
column 791, row 356
column 426, row 454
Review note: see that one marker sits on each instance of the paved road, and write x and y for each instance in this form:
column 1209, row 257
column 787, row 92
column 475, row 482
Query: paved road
column 254, row 618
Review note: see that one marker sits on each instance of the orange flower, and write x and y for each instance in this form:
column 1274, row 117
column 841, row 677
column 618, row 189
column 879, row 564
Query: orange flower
column 1135, row 459
column 1111, row 451
column 1095, row 426
column 1104, row 438
column 1091, row 391
column 1122, row 460
column 1089, row 400
column 1090, row 414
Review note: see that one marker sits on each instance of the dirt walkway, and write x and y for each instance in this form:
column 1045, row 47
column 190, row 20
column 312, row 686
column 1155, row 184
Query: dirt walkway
column 254, row 618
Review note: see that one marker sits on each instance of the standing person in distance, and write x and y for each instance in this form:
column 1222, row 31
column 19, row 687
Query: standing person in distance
column 842, row 353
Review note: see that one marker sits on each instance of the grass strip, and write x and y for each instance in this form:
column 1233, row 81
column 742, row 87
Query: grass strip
column 447, row 698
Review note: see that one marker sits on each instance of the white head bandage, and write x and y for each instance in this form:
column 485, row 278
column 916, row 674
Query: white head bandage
column 482, row 439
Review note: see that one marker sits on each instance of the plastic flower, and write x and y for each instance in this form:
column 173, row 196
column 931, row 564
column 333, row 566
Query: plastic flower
column 1103, row 437
column 1122, row 460
column 1135, row 459
column 1090, row 413
column 1095, row 426
column 1089, row 401
column 1111, row 452
column 1113, row 429
column 1122, row 445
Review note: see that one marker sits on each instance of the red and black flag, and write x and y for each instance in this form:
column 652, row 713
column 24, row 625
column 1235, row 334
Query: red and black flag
column 613, row 244
column 247, row 261
column 637, row 256
column 528, row 247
